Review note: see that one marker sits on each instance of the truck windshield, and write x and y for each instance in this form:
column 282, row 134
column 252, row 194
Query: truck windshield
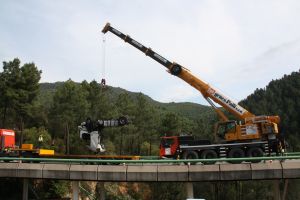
column 167, row 142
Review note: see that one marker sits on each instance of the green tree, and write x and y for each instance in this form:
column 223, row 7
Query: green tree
column 69, row 109
column 100, row 106
column 170, row 124
column 174, row 190
column 146, row 119
column 19, row 87
column 52, row 189
column 174, row 124
column 33, row 134
column 125, row 107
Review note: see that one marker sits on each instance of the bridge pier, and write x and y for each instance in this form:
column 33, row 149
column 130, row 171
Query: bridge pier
column 286, row 182
column 189, row 190
column 100, row 190
column 276, row 190
column 25, row 189
column 75, row 188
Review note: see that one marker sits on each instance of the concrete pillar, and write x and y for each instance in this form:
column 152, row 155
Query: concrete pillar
column 286, row 182
column 101, row 190
column 189, row 190
column 25, row 189
column 276, row 190
column 75, row 188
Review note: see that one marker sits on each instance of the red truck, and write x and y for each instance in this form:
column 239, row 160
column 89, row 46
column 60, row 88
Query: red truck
column 7, row 139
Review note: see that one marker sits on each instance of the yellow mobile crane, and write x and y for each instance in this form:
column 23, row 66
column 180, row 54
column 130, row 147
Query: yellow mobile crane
column 252, row 136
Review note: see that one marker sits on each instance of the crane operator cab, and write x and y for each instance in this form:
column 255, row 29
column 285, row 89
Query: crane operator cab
column 224, row 128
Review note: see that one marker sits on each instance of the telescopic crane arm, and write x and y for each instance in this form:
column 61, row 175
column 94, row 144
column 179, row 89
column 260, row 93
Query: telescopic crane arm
column 208, row 92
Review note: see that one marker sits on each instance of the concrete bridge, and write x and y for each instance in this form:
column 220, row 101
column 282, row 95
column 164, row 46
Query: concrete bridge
column 267, row 170
column 154, row 172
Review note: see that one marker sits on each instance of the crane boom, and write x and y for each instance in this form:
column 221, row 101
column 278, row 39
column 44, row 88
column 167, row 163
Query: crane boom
column 208, row 92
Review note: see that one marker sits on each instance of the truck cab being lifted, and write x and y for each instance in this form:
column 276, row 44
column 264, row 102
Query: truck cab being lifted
column 92, row 131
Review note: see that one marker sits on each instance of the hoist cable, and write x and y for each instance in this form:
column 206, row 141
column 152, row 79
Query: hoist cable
column 103, row 55
column 103, row 81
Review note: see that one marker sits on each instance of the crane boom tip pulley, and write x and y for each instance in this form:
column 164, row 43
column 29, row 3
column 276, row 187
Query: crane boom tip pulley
column 106, row 28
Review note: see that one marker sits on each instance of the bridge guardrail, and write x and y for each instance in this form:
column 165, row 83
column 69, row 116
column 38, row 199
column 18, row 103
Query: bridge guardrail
column 105, row 161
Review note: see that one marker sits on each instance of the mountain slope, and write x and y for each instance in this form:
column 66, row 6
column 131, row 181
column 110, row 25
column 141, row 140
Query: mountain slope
column 190, row 110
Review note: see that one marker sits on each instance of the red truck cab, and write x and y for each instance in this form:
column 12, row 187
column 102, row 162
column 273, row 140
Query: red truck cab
column 7, row 139
column 168, row 146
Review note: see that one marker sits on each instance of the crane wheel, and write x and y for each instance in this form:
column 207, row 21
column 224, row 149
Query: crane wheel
column 255, row 152
column 123, row 121
column 236, row 153
column 209, row 154
column 190, row 155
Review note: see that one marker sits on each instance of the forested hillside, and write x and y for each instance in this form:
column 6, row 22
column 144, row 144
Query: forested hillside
column 191, row 110
column 55, row 109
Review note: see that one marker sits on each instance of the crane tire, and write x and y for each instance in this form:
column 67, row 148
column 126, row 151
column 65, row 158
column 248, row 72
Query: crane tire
column 190, row 155
column 123, row 121
column 236, row 153
column 208, row 154
column 255, row 152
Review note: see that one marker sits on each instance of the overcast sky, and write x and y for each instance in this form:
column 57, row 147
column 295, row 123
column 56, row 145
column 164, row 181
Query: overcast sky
column 236, row 46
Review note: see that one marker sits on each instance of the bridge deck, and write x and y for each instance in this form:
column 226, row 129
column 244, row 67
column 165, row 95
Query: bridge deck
column 154, row 172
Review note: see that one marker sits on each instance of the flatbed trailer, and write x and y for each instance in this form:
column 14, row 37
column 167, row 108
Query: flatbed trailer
column 8, row 148
column 104, row 157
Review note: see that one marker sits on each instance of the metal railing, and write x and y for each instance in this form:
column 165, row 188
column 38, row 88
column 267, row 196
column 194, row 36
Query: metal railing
column 106, row 161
